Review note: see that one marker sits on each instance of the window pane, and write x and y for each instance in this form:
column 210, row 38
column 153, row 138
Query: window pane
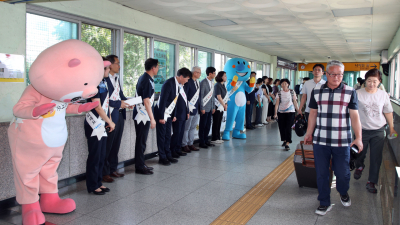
column 219, row 62
column 43, row 32
column 134, row 57
column 259, row 71
column 98, row 37
column 165, row 53
column 278, row 73
column 267, row 70
column 185, row 57
column 204, row 61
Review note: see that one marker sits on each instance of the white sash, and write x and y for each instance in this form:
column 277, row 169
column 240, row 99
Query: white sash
column 142, row 115
column 97, row 123
column 183, row 94
column 234, row 89
column 207, row 98
column 194, row 100
column 115, row 95
column 170, row 108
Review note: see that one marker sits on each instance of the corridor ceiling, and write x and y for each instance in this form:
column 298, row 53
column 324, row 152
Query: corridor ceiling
column 292, row 29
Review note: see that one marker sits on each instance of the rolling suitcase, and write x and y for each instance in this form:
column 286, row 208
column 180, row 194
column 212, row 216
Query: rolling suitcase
column 305, row 167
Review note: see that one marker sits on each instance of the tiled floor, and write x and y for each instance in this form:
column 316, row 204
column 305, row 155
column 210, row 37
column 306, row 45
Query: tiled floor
column 204, row 184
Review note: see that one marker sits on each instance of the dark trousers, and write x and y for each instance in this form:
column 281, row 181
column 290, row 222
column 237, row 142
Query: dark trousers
column 204, row 127
column 258, row 115
column 164, row 138
column 375, row 139
column 95, row 160
column 340, row 165
column 216, row 126
column 113, row 143
column 285, row 123
column 249, row 114
column 178, row 127
column 142, row 131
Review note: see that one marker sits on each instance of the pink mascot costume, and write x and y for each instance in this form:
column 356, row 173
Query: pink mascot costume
column 60, row 76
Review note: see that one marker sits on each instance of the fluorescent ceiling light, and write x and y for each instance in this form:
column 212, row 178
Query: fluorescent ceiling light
column 268, row 43
column 357, row 40
column 218, row 23
column 352, row 12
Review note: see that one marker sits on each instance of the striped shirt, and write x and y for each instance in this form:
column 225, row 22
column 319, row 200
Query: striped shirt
column 333, row 119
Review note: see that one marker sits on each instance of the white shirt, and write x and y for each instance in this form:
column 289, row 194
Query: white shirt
column 286, row 103
column 210, row 83
column 372, row 107
column 307, row 89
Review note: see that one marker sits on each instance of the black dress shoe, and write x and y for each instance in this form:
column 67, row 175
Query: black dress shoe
column 148, row 167
column 209, row 144
column 105, row 189
column 175, row 155
column 172, row 160
column 203, row 146
column 144, row 171
column 164, row 162
column 284, row 143
column 182, row 153
column 99, row 192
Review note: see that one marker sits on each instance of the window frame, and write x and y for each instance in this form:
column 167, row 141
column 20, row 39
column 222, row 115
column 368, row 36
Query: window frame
column 119, row 31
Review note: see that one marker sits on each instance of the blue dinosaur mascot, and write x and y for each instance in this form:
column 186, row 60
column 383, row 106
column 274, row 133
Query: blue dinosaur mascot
column 238, row 72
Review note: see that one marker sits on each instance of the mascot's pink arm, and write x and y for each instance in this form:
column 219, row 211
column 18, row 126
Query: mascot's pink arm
column 28, row 101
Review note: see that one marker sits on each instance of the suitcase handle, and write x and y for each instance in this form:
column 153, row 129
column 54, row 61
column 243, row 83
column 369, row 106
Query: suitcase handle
column 302, row 152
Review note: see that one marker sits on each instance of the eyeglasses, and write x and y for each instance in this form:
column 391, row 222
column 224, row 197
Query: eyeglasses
column 335, row 75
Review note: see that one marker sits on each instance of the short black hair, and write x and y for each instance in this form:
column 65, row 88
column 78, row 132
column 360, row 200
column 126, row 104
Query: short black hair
column 253, row 72
column 210, row 70
column 285, row 80
column 264, row 77
column 150, row 63
column 111, row 58
column 306, row 78
column 276, row 81
column 362, row 81
column 259, row 81
column 184, row 72
column 374, row 73
column 219, row 76
column 320, row 65
column 359, row 79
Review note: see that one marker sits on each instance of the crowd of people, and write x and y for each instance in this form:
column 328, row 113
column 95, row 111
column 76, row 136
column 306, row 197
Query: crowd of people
column 332, row 110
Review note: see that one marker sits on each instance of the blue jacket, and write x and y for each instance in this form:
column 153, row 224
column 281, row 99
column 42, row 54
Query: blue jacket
column 115, row 104
column 191, row 91
column 167, row 96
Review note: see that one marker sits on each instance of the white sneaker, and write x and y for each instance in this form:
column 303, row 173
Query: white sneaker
column 259, row 125
column 215, row 142
column 322, row 210
column 266, row 123
column 220, row 141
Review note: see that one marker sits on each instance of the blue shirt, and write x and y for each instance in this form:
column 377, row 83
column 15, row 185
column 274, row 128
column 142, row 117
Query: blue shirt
column 144, row 89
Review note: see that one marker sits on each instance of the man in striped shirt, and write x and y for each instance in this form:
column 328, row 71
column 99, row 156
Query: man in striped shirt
column 333, row 111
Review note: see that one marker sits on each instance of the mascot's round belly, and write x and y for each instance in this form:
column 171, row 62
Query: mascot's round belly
column 240, row 99
column 54, row 128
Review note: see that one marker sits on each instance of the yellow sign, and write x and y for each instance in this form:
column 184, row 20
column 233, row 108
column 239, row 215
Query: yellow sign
column 357, row 66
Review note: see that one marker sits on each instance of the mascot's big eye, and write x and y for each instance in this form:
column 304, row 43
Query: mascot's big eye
column 233, row 66
column 244, row 63
column 248, row 66
column 238, row 62
column 85, row 84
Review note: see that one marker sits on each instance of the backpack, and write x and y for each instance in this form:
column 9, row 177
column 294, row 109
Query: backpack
column 297, row 89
